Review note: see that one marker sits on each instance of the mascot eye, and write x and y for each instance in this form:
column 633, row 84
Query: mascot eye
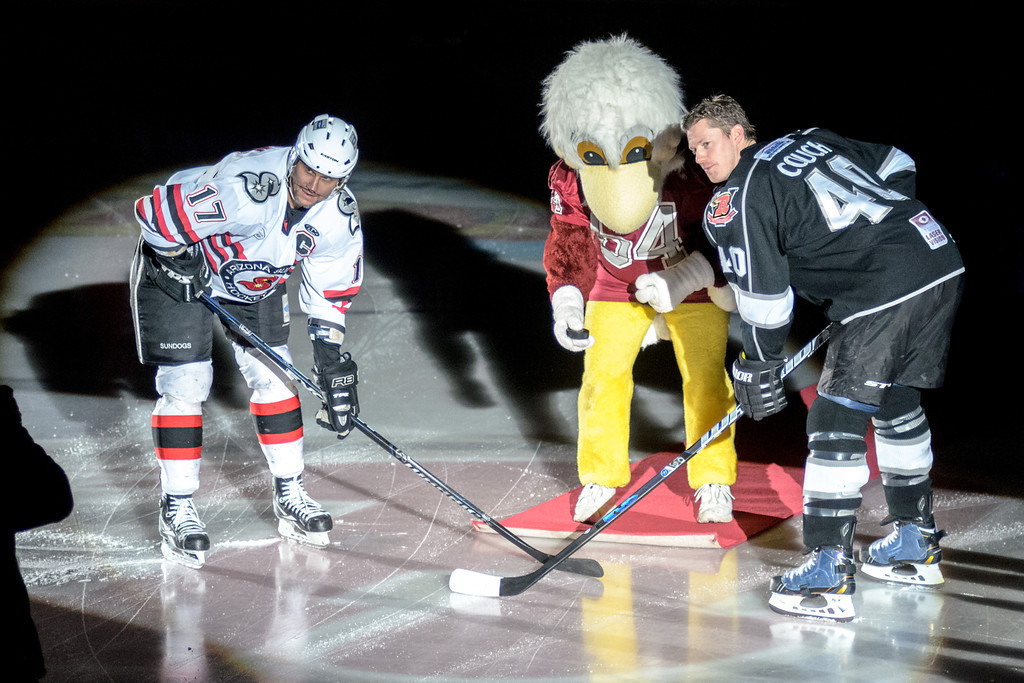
column 637, row 149
column 591, row 154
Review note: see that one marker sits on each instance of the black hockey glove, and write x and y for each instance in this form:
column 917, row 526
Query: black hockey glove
column 184, row 276
column 758, row 386
column 341, row 403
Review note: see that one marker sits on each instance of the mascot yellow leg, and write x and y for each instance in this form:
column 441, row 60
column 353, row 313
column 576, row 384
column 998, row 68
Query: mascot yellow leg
column 618, row 329
column 700, row 333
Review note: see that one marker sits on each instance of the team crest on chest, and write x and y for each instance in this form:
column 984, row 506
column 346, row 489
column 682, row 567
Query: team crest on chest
column 720, row 209
column 252, row 280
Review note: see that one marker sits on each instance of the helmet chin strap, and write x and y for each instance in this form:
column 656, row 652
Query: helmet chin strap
column 292, row 201
column 295, row 203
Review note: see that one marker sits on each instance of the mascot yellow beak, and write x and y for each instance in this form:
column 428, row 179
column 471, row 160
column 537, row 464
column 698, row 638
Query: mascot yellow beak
column 622, row 198
column 623, row 195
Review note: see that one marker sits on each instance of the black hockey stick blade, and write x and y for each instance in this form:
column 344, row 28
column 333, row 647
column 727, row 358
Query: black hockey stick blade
column 583, row 566
column 488, row 585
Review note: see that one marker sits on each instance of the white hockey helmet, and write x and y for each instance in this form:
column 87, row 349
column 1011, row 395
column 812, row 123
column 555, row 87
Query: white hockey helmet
column 328, row 145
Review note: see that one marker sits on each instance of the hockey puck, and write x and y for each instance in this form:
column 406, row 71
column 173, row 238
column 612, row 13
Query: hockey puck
column 577, row 334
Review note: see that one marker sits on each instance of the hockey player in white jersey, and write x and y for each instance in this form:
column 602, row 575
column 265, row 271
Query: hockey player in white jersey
column 236, row 230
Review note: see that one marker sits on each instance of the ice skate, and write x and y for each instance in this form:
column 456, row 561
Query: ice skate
column 821, row 587
column 910, row 554
column 593, row 503
column 183, row 534
column 715, row 502
column 300, row 518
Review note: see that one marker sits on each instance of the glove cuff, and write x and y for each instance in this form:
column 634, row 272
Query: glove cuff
column 692, row 273
column 567, row 299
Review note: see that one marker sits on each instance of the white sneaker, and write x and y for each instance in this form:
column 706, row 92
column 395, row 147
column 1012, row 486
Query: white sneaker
column 593, row 500
column 715, row 503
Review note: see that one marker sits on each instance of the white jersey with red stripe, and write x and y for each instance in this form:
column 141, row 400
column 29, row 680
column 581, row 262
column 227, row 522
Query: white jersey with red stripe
column 237, row 210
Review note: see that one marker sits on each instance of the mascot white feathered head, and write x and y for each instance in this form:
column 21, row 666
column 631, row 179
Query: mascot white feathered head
column 612, row 111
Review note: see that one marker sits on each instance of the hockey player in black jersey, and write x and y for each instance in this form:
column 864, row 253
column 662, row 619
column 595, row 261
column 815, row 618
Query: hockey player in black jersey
column 836, row 222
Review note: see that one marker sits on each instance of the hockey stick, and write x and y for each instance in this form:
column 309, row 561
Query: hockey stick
column 477, row 583
column 586, row 567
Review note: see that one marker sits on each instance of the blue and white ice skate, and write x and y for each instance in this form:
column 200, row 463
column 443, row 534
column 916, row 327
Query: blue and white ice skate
column 821, row 587
column 910, row 554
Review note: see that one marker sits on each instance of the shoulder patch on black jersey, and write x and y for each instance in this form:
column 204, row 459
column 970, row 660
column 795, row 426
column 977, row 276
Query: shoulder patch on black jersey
column 930, row 229
column 260, row 186
column 767, row 152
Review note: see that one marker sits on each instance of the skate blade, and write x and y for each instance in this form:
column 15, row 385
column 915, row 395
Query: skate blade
column 193, row 559
column 822, row 606
column 907, row 573
column 317, row 539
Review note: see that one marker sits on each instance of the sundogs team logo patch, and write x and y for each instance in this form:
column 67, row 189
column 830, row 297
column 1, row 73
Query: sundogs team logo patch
column 720, row 209
column 252, row 280
column 348, row 207
column 261, row 186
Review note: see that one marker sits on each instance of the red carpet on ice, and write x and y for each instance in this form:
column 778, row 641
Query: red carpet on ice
column 766, row 494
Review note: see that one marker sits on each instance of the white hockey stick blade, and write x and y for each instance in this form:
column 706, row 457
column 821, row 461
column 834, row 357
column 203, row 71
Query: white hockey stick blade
column 469, row 582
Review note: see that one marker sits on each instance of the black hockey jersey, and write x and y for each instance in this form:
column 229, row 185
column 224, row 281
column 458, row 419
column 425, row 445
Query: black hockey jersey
column 832, row 220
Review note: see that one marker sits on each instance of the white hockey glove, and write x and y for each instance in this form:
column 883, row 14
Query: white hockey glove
column 567, row 310
column 666, row 289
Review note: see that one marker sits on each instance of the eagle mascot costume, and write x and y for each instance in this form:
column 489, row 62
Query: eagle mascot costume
column 626, row 265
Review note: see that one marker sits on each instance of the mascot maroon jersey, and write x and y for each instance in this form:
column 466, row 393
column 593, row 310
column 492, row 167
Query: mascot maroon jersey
column 614, row 261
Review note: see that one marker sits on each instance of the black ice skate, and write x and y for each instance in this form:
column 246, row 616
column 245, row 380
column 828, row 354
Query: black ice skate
column 300, row 518
column 183, row 534
column 910, row 554
column 821, row 587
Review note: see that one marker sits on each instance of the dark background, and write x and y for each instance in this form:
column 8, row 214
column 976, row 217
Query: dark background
column 101, row 92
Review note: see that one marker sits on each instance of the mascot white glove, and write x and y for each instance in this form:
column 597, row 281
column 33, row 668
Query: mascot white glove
column 567, row 311
column 666, row 289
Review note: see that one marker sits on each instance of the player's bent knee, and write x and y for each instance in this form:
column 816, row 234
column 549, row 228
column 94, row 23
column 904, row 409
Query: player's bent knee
column 836, row 463
column 188, row 382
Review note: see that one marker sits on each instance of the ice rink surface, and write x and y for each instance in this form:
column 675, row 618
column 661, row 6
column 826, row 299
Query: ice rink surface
column 457, row 368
